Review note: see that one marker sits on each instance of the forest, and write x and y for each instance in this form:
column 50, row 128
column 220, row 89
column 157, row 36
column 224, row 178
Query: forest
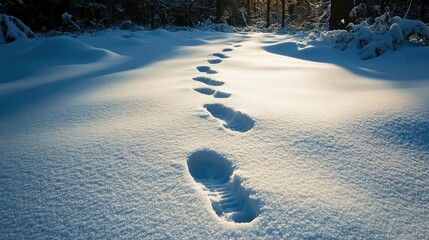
column 93, row 15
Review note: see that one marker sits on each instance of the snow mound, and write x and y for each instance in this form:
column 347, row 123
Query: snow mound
column 54, row 51
column 11, row 28
column 72, row 51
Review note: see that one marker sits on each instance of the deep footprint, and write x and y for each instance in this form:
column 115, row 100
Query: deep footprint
column 214, row 61
column 220, row 55
column 208, row 81
column 206, row 69
column 209, row 91
column 227, row 50
column 205, row 91
column 234, row 120
column 238, row 45
column 229, row 199
column 219, row 94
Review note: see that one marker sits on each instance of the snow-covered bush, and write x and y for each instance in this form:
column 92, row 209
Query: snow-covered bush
column 210, row 25
column 68, row 24
column 384, row 35
column 410, row 27
column 342, row 39
column 127, row 24
column 359, row 12
column 11, row 28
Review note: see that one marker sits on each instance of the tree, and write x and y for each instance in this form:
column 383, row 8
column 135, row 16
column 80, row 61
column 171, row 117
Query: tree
column 283, row 13
column 248, row 10
column 408, row 10
column 424, row 10
column 340, row 10
column 219, row 10
column 268, row 12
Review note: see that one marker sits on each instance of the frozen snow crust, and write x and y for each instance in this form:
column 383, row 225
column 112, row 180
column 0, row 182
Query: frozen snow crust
column 208, row 135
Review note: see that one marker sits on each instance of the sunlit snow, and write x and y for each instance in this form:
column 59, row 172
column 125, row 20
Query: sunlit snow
column 157, row 134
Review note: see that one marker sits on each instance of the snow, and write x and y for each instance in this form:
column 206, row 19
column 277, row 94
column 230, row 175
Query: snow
column 120, row 135
column 12, row 29
column 376, row 39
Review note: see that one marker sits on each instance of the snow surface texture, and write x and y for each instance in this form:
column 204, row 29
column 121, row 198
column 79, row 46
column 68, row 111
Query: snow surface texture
column 106, row 137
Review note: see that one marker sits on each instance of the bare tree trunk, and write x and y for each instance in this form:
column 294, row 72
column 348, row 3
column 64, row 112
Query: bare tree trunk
column 248, row 10
column 424, row 11
column 254, row 6
column 219, row 10
column 408, row 10
column 152, row 14
column 283, row 13
column 268, row 12
column 340, row 10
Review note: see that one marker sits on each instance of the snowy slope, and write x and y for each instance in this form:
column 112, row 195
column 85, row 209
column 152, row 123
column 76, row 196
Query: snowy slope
column 211, row 135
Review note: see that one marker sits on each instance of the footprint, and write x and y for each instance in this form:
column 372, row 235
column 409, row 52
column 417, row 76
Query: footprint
column 208, row 81
column 209, row 91
column 214, row 61
column 220, row 55
column 227, row 50
column 234, row 120
column 219, row 94
column 206, row 91
column 229, row 199
column 206, row 69
column 238, row 45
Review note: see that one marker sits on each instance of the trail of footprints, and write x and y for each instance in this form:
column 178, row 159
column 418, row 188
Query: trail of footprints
column 213, row 172
column 230, row 119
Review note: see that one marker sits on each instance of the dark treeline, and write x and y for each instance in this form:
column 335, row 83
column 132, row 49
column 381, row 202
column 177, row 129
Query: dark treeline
column 76, row 15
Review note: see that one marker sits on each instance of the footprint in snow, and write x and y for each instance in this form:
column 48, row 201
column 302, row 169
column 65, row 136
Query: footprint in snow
column 229, row 199
column 208, row 81
column 231, row 119
column 206, row 69
column 214, row 93
column 219, row 94
column 214, row 61
column 227, row 50
column 238, row 45
column 220, row 55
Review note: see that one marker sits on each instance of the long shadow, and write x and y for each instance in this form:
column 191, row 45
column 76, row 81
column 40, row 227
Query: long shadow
column 133, row 51
column 404, row 67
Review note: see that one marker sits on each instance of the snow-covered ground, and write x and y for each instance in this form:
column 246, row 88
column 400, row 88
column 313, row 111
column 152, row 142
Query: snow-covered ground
column 211, row 135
